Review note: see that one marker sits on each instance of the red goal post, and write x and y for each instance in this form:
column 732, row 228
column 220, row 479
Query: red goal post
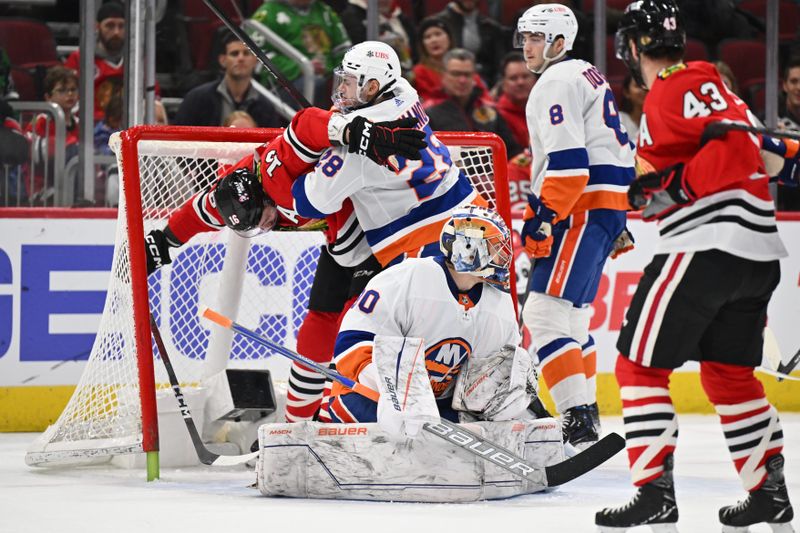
column 263, row 283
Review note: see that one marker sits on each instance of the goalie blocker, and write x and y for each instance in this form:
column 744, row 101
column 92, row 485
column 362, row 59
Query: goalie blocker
column 363, row 462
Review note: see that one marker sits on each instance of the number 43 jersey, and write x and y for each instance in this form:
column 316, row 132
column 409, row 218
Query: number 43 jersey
column 582, row 157
column 401, row 207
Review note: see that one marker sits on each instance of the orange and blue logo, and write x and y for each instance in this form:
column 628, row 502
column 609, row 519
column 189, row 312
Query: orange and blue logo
column 443, row 360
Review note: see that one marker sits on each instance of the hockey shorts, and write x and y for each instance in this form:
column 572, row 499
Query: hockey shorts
column 581, row 245
column 334, row 284
column 699, row 306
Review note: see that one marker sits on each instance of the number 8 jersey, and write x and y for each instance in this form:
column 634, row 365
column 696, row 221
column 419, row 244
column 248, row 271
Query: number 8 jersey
column 582, row 157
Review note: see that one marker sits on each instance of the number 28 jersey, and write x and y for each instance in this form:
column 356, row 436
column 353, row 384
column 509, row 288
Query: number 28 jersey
column 582, row 157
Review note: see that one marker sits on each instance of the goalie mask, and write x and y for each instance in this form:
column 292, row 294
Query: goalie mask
column 550, row 21
column 246, row 209
column 370, row 60
column 476, row 241
column 655, row 26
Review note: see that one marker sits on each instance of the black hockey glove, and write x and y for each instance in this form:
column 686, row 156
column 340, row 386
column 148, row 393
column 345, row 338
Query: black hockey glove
column 380, row 140
column 156, row 246
column 669, row 180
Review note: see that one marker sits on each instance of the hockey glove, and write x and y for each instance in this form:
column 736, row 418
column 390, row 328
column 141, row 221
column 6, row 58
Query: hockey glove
column 156, row 246
column 622, row 244
column 537, row 231
column 380, row 140
column 670, row 180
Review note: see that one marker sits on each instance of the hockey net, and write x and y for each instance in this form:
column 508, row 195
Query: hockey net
column 263, row 283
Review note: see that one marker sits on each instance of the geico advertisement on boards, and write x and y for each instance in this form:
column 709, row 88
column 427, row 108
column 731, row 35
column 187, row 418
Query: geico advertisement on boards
column 55, row 273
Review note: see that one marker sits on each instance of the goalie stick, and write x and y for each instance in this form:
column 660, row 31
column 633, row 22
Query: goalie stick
column 206, row 456
column 549, row 476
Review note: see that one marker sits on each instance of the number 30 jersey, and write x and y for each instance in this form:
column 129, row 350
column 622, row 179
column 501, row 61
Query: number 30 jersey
column 401, row 209
column 582, row 157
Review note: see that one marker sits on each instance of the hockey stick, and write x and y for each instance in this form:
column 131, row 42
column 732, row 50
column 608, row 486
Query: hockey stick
column 259, row 53
column 549, row 476
column 718, row 129
column 206, row 456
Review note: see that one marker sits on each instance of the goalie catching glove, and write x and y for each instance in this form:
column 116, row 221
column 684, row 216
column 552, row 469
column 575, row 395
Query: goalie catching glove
column 156, row 246
column 498, row 387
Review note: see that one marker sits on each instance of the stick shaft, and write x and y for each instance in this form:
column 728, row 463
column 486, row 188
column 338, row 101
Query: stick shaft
column 259, row 53
column 762, row 131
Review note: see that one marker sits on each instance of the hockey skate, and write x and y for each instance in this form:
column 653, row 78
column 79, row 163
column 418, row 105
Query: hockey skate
column 769, row 503
column 595, row 411
column 578, row 428
column 652, row 505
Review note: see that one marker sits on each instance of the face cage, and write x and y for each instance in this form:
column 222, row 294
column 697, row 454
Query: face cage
column 489, row 258
column 342, row 103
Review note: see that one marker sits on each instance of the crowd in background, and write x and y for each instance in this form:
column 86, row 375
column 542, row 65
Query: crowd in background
column 457, row 54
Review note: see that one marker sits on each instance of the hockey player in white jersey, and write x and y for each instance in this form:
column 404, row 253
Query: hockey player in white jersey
column 582, row 165
column 402, row 205
column 460, row 305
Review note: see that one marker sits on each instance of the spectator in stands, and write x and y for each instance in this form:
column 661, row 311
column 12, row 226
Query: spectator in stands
column 630, row 108
column 239, row 119
column 434, row 41
column 14, row 151
column 108, row 58
column 394, row 28
column 479, row 34
column 790, row 114
column 711, row 21
column 111, row 123
column 209, row 103
column 60, row 88
column 516, row 84
column 728, row 77
column 311, row 27
column 160, row 113
column 467, row 108
column 7, row 91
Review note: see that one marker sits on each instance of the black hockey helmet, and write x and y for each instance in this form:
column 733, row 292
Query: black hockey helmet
column 655, row 26
column 240, row 199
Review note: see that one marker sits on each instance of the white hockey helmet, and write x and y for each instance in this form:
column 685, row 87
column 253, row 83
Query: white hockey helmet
column 552, row 21
column 477, row 241
column 370, row 60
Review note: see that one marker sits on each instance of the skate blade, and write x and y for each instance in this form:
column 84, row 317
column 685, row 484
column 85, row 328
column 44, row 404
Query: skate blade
column 655, row 528
column 776, row 528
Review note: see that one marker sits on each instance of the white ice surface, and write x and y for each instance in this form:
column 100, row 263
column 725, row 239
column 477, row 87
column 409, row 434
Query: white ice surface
column 208, row 499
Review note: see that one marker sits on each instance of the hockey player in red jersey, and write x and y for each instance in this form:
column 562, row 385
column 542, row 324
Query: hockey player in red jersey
column 704, row 295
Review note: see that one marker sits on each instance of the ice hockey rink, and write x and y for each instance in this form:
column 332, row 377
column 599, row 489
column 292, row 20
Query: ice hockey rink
column 217, row 499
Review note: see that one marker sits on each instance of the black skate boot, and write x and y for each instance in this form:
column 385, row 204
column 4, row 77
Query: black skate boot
column 577, row 426
column 653, row 505
column 595, row 411
column 769, row 503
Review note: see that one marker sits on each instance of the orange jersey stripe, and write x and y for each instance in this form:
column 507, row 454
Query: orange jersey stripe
column 560, row 193
column 351, row 363
column 562, row 366
column 602, row 200
column 412, row 241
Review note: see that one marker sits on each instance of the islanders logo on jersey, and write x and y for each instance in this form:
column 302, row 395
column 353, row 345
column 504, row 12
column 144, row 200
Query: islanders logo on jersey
column 443, row 360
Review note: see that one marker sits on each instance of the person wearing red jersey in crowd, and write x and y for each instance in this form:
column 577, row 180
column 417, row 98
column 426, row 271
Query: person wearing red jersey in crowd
column 515, row 88
column 108, row 58
column 711, row 200
column 61, row 88
column 434, row 41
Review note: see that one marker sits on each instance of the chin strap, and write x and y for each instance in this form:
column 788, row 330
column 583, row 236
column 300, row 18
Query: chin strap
column 548, row 60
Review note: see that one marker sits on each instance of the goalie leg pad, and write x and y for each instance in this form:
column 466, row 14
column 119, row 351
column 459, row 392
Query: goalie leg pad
column 362, row 462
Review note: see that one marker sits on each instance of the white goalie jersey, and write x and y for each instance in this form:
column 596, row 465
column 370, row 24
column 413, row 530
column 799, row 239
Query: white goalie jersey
column 402, row 208
column 418, row 298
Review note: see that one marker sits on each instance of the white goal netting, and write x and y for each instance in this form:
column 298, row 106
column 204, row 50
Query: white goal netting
column 263, row 283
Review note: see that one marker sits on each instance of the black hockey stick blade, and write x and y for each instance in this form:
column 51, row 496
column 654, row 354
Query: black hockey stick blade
column 587, row 460
column 206, row 456
column 259, row 53
column 791, row 364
